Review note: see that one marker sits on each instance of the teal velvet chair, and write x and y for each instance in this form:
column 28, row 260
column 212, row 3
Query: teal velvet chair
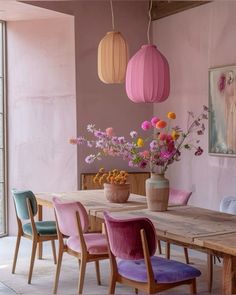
column 26, row 209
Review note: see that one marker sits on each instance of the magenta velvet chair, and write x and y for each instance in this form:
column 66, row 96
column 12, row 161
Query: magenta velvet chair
column 179, row 198
column 132, row 244
column 72, row 223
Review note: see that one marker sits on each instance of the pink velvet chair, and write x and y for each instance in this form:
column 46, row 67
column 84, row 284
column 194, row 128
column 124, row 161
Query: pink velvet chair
column 179, row 198
column 132, row 244
column 72, row 222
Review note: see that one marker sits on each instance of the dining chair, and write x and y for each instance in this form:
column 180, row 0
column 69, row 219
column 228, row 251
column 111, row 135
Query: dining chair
column 73, row 222
column 227, row 205
column 40, row 231
column 179, row 198
column 133, row 263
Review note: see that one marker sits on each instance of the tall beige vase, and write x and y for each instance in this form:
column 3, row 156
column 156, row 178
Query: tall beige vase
column 157, row 192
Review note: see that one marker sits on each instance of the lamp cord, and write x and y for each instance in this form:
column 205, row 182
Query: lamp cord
column 112, row 16
column 149, row 22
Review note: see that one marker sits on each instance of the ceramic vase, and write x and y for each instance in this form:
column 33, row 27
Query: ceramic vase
column 157, row 192
column 117, row 193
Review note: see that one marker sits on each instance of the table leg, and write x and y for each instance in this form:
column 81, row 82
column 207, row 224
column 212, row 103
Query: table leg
column 229, row 267
column 40, row 244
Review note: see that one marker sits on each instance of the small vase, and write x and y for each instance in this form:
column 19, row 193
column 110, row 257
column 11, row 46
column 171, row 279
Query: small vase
column 157, row 192
column 117, row 193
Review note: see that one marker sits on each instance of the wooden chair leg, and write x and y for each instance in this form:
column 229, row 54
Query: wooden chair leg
column 34, row 247
column 58, row 270
column 112, row 285
column 209, row 272
column 16, row 253
column 159, row 246
column 98, row 272
column 54, row 251
column 136, row 291
column 167, row 250
column 81, row 276
column 193, row 287
column 186, row 255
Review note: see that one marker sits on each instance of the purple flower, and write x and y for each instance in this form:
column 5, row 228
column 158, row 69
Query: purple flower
column 143, row 164
column 99, row 133
column 121, row 139
column 199, row 151
column 153, row 145
column 100, row 143
column 90, row 159
column 133, row 134
column 80, row 140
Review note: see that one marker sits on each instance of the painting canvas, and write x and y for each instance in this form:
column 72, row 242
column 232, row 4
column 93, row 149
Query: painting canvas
column 222, row 103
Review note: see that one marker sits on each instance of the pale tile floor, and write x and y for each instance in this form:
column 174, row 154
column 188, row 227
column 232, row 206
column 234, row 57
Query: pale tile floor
column 44, row 270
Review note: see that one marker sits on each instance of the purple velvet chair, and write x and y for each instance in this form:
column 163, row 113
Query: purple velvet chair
column 179, row 198
column 132, row 245
column 72, row 222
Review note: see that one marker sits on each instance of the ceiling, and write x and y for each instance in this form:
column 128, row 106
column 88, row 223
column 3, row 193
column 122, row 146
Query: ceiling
column 164, row 8
column 12, row 10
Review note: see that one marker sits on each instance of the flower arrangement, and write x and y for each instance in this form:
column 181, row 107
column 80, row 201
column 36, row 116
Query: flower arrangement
column 113, row 177
column 157, row 151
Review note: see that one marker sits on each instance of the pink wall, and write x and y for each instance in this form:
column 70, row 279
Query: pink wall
column 41, row 106
column 99, row 103
column 194, row 41
column 42, row 91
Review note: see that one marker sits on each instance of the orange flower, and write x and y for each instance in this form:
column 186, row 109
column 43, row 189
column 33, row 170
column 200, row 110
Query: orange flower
column 175, row 135
column 171, row 115
column 162, row 136
column 161, row 124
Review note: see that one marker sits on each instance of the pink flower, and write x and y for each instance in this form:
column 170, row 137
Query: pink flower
column 145, row 154
column 146, row 125
column 154, row 121
column 109, row 131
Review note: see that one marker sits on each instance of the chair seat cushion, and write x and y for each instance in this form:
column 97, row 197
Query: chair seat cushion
column 165, row 271
column 96, row 243
column 44, row 228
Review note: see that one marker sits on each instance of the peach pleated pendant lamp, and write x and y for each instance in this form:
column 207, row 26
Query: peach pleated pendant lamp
column 148, row 75
column 112, row 56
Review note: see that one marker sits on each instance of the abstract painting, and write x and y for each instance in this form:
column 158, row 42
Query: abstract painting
column 222, row 104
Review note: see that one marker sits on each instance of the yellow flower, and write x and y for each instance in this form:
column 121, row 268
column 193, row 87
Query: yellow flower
column 140, row 142
column 171, row 115
column 175, row 135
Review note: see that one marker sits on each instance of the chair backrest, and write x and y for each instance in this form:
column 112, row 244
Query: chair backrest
column 66, row 217
column 125, row 238
column 228, row 205
column 179, row 197
column 20, row 198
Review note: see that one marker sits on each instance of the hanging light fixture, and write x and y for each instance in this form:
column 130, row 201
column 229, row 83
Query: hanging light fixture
column 147, row 75
column 112, row 56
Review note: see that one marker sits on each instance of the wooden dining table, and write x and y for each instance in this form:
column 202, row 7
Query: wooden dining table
column 205, row 230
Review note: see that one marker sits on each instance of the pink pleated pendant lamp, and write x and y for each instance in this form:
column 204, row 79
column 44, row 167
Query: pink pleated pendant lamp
column 148, row 75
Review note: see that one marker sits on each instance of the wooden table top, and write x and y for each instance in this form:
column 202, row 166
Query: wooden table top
column 93, row 200
column 192, row 225
column 189, row 225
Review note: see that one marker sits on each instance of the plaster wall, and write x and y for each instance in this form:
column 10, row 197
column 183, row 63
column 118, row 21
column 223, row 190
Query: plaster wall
column 194, row 41
column 41, row 106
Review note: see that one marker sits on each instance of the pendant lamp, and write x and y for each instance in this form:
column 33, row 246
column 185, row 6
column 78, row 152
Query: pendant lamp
column 112, row 56
column 148, row 75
